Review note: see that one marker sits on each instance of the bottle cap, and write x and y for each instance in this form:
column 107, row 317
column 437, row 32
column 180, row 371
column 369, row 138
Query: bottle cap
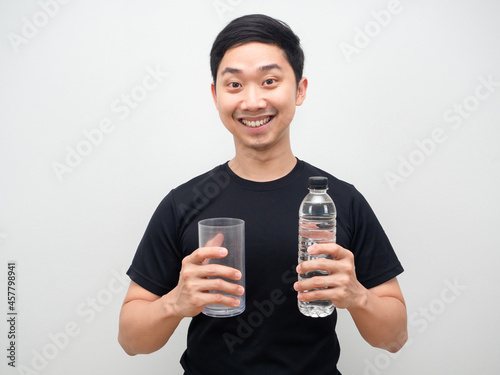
column 318, row 182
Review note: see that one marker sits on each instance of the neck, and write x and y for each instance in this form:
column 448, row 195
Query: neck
column 262, row 167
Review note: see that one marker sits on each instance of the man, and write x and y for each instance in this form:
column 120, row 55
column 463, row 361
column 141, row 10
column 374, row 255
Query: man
column 257, row 64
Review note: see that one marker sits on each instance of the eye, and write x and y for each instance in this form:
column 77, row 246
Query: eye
column 269, row 81
column 234, row 85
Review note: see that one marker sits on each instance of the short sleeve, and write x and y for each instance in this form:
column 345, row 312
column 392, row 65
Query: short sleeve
column 374, row 257
column 157, row 261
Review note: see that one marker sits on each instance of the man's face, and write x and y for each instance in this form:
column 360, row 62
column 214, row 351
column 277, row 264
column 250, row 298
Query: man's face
column 256, row 94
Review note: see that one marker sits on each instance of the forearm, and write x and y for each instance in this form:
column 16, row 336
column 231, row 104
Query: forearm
column 381, row 320
column 146, row 326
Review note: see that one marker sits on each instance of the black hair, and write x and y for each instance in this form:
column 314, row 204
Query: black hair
column 258, row 28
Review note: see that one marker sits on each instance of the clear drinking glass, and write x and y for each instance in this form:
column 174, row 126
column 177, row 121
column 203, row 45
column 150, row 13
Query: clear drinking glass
column 233, row 231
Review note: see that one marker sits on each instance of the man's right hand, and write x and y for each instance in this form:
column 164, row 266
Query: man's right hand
column 198, row 279
column 147, row 321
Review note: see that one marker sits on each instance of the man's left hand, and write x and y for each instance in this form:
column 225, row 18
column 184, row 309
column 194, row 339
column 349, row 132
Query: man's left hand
column 342, row 286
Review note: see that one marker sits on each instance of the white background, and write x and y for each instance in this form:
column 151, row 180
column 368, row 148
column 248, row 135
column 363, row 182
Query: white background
column 384, row 77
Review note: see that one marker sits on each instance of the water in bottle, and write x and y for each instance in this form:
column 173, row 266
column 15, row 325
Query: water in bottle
column 317, row 224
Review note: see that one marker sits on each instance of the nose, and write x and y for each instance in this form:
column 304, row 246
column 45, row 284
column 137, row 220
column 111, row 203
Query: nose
column 253, row 99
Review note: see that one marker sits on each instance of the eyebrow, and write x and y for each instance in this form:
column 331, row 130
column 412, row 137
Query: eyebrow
column 263, row 68
column 230, row 70
column 266, row 68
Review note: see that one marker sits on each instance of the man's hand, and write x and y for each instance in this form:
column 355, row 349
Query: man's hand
column 198, row 278
column 343, row 288
column 379, row 313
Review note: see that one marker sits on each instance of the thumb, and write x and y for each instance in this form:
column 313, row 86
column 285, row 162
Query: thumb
column 216, row 241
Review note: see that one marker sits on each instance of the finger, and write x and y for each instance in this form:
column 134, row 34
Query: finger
column 221, row 299
column 220, row 292
column 202, row 253
column 341, row 269
column 317, row 282
column 318, row 264
column 218, row 270
column 333, row 249
column 216, row 241
column 315, row 295
column 220, row 285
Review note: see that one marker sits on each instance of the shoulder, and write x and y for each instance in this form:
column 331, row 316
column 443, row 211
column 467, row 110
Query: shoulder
column 336, row 185
column 217, row 175
column 348, row 199
column 199, row 186
column 189, row 198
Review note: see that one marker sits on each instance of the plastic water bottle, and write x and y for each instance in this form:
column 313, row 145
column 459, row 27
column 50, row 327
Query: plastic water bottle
column 317, row 224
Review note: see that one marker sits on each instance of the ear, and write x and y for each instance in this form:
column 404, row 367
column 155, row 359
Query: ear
column 301, row 91
column 214, row 95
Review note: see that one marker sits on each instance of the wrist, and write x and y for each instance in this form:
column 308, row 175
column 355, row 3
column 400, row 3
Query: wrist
column 360, row 301
column 169, row 308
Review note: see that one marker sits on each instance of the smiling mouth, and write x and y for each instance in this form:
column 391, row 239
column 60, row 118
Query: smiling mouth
column 256, row 124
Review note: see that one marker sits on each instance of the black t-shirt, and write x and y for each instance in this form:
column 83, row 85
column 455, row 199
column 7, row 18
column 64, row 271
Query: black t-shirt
column 271, row 336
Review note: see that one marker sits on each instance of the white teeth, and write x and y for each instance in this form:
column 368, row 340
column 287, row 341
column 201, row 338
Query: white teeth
column 254, row 124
